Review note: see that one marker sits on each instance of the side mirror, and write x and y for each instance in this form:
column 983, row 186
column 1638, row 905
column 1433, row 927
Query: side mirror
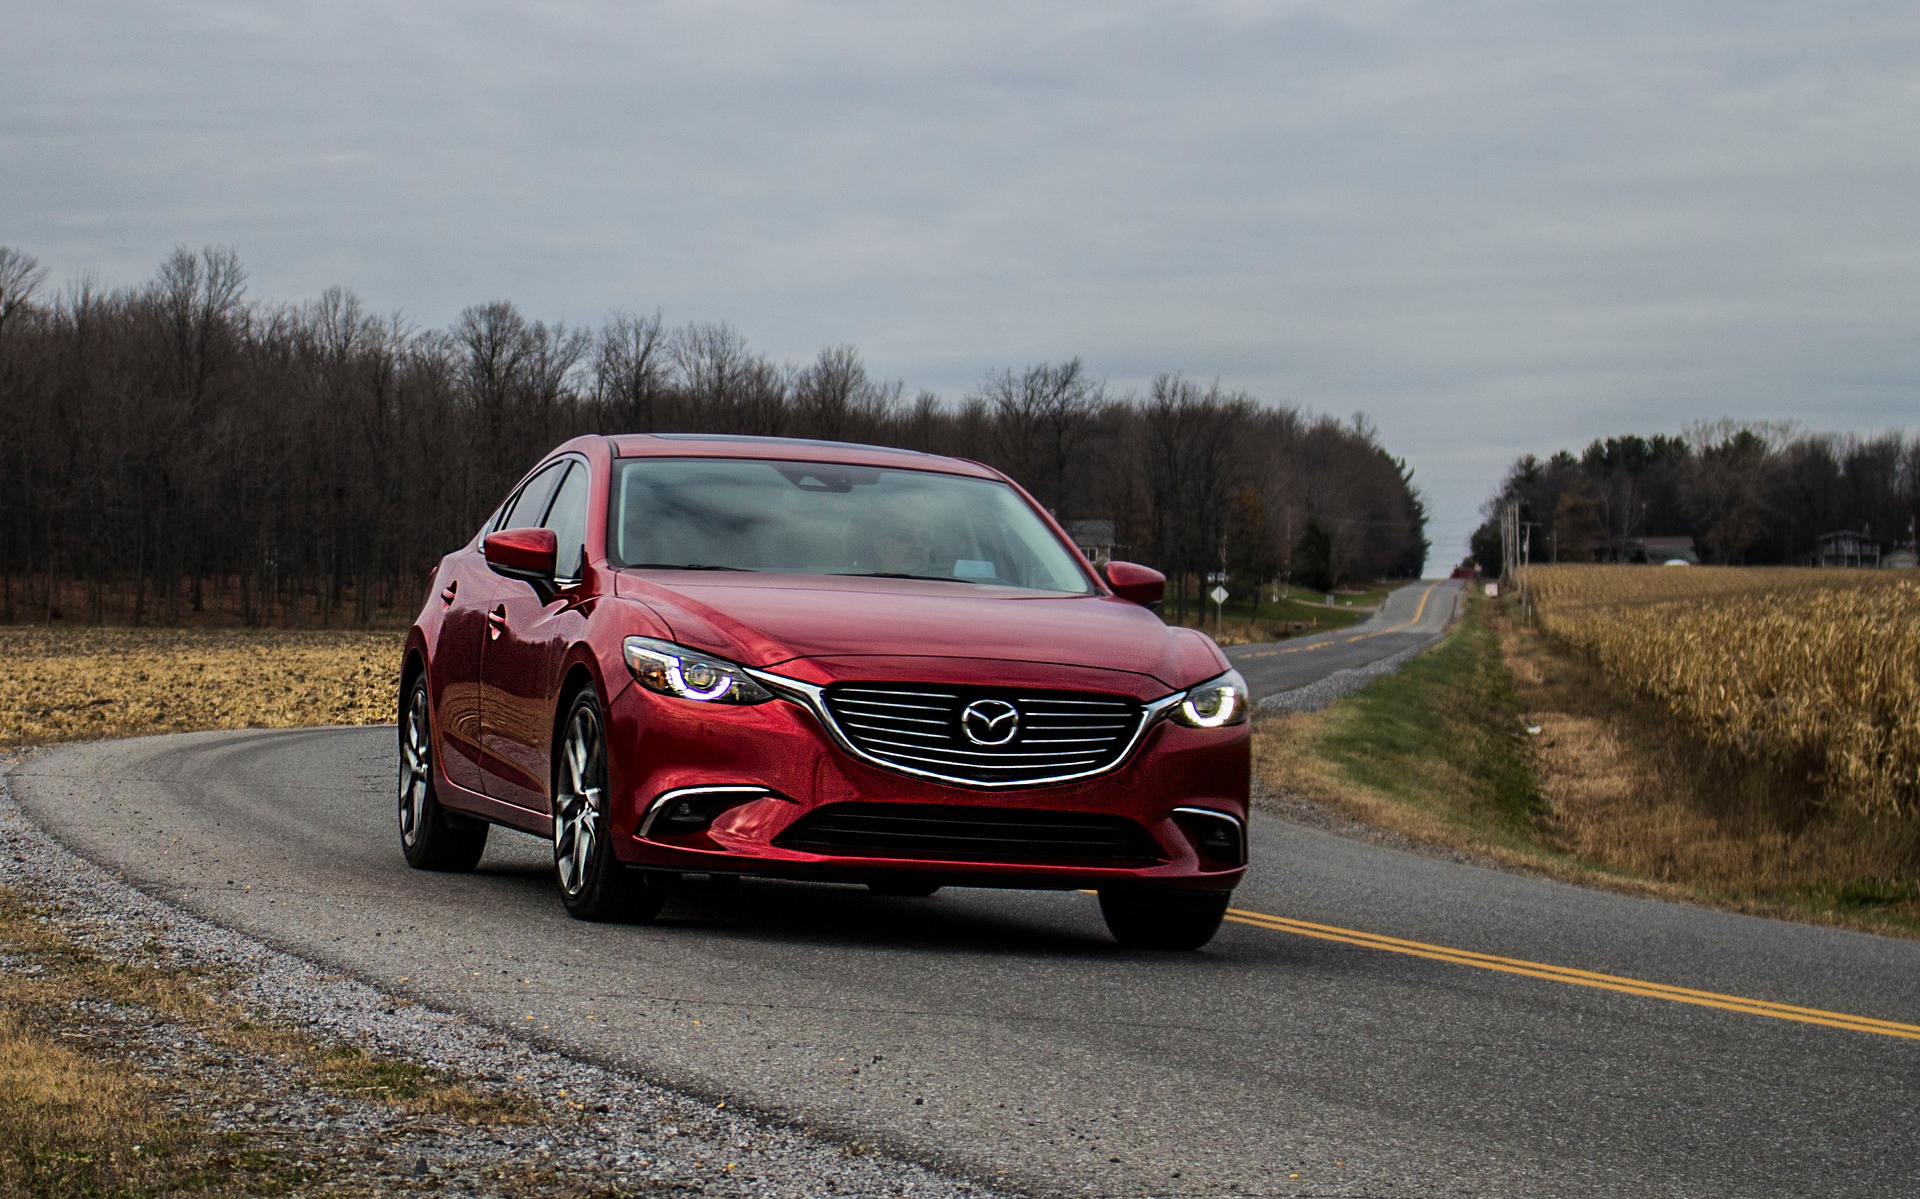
column 526, row 554
column 1141, row 584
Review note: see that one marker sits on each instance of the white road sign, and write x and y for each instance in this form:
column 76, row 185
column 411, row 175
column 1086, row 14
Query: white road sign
column 1219, row 595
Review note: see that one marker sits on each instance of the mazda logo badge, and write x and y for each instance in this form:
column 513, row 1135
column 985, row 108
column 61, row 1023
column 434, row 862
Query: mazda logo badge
column 990, row 721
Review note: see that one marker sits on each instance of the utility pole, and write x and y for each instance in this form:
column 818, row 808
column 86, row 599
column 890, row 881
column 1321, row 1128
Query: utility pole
column 1287, row 570
column 1526, row 552
column 1220, row 605
column 1510, row 543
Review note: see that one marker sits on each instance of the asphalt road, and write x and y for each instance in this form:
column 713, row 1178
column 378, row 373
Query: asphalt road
column 1410, row 616
column 1004, row 1035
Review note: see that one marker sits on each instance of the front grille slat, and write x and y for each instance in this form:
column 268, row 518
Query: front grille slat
column 888, row 707
column 1005, row 757
column 952, row 833
column 944, row 762
column 920, row 730
column 878, row 730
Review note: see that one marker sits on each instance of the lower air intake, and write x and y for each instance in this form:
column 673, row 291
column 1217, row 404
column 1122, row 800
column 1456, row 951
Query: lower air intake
column 944, row 833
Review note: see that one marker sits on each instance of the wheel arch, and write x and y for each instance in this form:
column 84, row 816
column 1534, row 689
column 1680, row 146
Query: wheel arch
column 413, row 664
column 578, row 675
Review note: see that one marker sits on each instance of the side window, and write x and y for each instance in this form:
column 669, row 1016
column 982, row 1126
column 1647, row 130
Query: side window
column 530, row 508
column 568, row 520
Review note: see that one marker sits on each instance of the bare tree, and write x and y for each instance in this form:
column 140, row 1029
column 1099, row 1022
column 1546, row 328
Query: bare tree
column 20, row 277
column 631, row 376
column 1041, row 420
column 309, row 462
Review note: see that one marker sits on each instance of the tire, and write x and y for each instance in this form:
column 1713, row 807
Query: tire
column 904, row 888
column 431, row 837
column 594, row 884
column 1161, row 918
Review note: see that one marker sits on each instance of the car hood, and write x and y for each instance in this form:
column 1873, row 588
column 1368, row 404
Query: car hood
column 766, row 620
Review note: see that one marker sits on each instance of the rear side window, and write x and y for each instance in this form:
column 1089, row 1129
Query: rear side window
column 530, row 507
column 568, row 520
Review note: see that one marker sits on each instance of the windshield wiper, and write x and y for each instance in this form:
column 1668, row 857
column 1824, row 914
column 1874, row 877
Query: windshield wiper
column 888, row 574
column 683, row 566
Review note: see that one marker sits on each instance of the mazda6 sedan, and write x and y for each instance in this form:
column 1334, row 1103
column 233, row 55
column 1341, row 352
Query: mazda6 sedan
column 676, row 655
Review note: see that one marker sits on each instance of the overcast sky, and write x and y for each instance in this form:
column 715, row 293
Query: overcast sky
column 1494, row 227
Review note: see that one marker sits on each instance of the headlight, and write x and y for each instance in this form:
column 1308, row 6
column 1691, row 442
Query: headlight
column 670, row 669
column 1215, row 703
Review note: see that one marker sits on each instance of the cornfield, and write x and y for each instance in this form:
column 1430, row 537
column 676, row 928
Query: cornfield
column 1805, row 670
column 61, row 684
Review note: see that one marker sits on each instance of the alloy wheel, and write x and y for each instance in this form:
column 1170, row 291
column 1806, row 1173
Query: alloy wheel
column 581, row 800
column 416, row 768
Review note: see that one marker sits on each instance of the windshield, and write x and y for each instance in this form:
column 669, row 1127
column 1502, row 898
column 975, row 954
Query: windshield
column 829, row 519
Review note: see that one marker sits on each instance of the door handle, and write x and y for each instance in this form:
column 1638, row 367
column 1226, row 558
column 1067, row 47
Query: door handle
column 448, row 592
column 497, row 622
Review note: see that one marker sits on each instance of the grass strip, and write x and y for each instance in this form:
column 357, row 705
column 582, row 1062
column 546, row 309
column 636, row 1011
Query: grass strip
column 1435, row 751
column 1302, row 613
column 1604, row 790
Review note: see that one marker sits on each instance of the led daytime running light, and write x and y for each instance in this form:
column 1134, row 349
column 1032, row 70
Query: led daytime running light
column 1216, row 703
column 668, row 669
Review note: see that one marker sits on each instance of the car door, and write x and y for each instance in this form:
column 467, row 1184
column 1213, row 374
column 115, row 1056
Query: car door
column 529, row 630
column 469, row 589
column 463, row 587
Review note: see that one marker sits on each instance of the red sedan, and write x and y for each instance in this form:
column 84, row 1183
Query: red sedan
column 695, row 655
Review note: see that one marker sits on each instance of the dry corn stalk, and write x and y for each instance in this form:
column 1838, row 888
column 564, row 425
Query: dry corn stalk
column 59, row 684
column 1804, row 669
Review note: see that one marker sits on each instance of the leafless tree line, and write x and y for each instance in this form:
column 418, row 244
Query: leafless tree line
column 1754, row 494
column 174, row 452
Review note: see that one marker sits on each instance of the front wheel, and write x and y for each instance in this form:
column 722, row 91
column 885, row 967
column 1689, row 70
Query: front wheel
column 594, row 885
column 1159, row 918
column 431, row 837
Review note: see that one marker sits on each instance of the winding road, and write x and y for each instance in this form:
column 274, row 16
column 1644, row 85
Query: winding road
column 1411, row 616
column 1370, row 1023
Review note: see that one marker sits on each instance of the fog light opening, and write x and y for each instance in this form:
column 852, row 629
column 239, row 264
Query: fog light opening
column 692, row 809
column 1219, row 839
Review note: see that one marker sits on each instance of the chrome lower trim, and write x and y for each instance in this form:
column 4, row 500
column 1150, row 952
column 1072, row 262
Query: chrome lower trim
column 661, row 800
column 813, row 698
column 1229, row 817
column 1239, row 827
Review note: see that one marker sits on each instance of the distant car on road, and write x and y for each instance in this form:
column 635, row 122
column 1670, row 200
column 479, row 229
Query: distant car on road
column 755, row 656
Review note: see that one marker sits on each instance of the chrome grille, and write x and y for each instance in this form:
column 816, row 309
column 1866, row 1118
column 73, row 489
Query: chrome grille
column 917, row 729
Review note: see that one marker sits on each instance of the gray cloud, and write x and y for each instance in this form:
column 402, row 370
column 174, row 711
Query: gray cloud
column 1495, row 227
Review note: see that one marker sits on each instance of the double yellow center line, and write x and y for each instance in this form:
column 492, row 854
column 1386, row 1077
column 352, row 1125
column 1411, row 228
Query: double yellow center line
column 1578, row 978
column 1399, row 628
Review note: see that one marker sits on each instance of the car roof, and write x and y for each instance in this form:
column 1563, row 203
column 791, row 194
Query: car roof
column 795, row 449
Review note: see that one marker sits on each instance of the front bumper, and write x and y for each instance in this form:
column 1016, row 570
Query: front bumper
column 1175, row 805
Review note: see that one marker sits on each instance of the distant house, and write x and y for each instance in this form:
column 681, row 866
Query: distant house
column 1656, row 550
column 1667, row 549
column 1845, row 548
column 1904, row 556
column 1094, row 537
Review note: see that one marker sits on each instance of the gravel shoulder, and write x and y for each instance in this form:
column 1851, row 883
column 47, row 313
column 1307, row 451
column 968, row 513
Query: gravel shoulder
column 545, row 1123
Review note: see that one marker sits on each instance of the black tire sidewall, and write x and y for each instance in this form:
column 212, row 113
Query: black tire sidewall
column 608, row 890
column 1161, row 918
column 441, row 842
